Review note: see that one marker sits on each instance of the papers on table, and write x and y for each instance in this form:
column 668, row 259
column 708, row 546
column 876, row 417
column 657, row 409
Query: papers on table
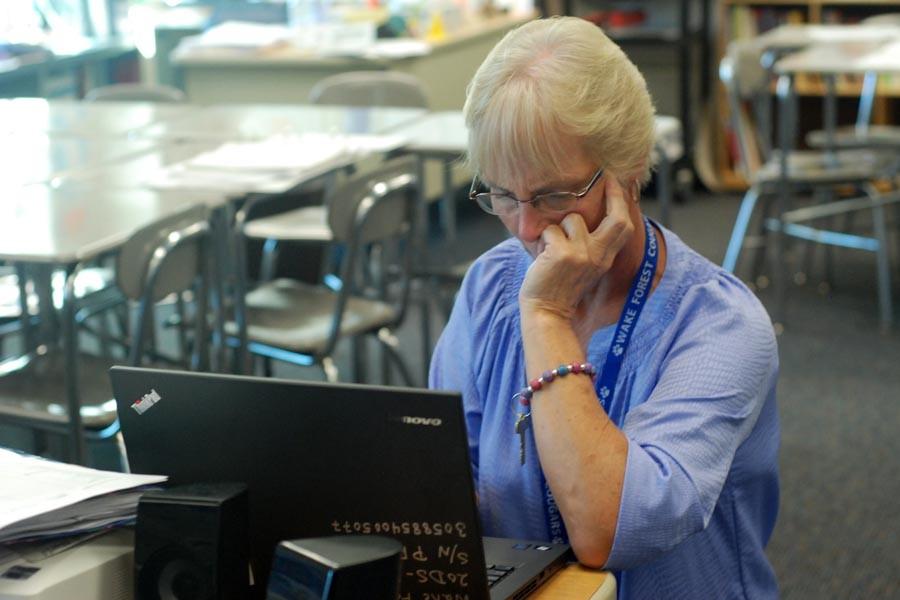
column 397, row 48
column 41, row 498
column 274, row 164
column 239, row 35
column 353, row 39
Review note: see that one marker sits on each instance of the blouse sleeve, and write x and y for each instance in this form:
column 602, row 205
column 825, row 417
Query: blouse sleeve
column 717, row 373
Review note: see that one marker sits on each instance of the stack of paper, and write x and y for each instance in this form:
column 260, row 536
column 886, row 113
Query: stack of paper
column 41, row 498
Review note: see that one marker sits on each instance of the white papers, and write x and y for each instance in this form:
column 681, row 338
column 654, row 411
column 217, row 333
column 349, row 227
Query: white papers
column 240, row 34
column 277, row 153
column 271, row 165
column 397, row 48
column 334, row 39
column 42, row 498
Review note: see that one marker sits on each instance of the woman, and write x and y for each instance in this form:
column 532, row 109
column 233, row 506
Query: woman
column 661, row 466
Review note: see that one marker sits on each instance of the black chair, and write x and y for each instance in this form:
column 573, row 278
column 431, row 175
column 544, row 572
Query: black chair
column 371, row 216
column 164, row 257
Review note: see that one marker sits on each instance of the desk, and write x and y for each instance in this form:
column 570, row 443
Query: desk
column 871, row 53
column 575, row 582
column 86, row 119
column 64, row 227
column 788, row 37
column 254, row 122
column 285, row 74
column 87, row 63
column 39, row 158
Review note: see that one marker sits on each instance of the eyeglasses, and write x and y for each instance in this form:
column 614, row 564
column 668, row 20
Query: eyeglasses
column 504, row 203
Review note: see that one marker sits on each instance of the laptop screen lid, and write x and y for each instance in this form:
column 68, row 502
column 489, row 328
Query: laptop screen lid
column 319, row 459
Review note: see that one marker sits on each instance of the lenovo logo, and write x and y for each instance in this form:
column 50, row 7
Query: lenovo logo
column 432, row 421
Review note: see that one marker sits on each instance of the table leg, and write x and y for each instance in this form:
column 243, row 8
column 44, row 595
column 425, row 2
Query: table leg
column 77, row 452
column 421, row 245
column 782, row 201
column 830, row 118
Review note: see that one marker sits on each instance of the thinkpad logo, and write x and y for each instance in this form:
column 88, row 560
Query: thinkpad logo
column 431, row 421
column 145, row 402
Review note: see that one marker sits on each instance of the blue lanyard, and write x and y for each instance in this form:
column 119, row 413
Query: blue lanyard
column 606, row 384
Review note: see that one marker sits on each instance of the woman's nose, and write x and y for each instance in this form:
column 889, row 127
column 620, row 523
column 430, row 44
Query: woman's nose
column 531, row 223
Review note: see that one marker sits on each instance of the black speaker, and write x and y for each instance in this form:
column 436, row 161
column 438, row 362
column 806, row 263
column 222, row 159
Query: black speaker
column 190, row 543
column 336, row 568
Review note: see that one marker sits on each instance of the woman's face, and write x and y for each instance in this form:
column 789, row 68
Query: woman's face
column 527, row 222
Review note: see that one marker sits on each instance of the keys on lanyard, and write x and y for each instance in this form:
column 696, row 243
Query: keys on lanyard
column 523, row 422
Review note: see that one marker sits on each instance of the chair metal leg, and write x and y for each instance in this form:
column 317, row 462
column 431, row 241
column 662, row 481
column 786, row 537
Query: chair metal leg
column 123, row 453
column 181, row 311
column 330, row 369
column 392, row 345
column 739, row 231
column 269, row 261
column 425, row 326
column 25, row 315
column 882, row 260
column 448, row 202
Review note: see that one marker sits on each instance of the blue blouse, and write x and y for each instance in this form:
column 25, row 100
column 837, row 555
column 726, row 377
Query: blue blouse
column 695, row 398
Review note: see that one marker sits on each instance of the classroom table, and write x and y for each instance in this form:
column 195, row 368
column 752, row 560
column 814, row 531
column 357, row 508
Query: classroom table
column 864, row 50
column 259, row 121
column 794, row 36
column 575, row 582
column 286, row 73
column 34, row 157
column 66, row 226
column 85, row 119
column 95, row 190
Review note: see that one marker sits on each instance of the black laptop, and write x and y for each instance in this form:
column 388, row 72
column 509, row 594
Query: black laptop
column 326, row 459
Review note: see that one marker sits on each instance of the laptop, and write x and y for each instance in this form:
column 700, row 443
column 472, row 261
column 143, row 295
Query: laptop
column 327, row 459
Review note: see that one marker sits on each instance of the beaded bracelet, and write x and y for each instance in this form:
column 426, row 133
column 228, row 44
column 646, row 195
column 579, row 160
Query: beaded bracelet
column 525, row 394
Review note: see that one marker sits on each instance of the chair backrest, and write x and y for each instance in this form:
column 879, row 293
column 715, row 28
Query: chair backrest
column 134, row 92
column 373, row 215
column 162, row 258
column 746, row 82
column 370, row 88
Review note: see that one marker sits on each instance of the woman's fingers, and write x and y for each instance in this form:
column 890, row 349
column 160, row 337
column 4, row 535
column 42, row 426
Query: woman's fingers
column 616, row 228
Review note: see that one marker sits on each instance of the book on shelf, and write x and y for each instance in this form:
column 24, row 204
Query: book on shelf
column 44, row 499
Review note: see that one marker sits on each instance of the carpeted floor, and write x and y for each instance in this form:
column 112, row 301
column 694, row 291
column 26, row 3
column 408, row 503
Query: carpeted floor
column 838, row 532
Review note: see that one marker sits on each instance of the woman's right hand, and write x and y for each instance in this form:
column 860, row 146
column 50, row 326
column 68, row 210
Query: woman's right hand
column 575, row 260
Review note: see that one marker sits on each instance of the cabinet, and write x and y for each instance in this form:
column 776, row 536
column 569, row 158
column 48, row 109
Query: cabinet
column 742, row 19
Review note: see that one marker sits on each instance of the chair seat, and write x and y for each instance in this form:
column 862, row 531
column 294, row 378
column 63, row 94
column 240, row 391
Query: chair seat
column 298, row 316
column 816, row 168
column 876, row 136
column 36, row 394
column 309, row 223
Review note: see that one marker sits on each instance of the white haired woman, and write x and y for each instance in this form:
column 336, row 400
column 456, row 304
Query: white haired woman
column 611, row 376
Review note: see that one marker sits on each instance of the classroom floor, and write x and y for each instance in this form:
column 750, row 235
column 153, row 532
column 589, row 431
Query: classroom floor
column 839, row 403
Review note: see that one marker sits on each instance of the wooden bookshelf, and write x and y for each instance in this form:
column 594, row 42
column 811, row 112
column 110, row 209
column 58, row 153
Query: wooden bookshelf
column 742, row 19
